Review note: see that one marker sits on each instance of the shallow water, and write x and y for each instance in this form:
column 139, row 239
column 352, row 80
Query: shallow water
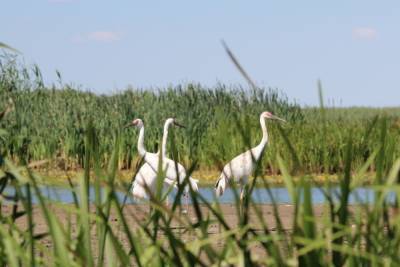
column 260, row 195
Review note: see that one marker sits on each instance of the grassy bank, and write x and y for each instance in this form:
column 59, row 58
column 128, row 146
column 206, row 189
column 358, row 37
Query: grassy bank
column 58, row 177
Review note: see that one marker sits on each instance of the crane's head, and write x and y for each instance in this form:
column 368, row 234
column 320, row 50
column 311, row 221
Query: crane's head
column 135, row 123
column 269, row 115
column 174, row 122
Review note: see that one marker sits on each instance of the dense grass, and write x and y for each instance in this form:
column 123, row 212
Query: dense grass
column 49, row 123
column 98, row 234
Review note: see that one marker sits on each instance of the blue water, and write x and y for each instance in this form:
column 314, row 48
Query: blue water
column 259, row 195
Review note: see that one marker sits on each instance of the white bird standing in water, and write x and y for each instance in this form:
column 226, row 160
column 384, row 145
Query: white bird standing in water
column 173, row 171
column 243, row 165
column 146, row 177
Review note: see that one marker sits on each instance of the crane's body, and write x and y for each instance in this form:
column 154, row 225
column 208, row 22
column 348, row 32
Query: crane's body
column 242, row 166
column 146, row 180
column 146, row 177
column 173, row 171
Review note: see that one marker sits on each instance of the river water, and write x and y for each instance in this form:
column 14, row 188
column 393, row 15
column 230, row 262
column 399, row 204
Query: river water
column 260, row 195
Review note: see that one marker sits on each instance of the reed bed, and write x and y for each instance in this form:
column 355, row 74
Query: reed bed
column 49, row 124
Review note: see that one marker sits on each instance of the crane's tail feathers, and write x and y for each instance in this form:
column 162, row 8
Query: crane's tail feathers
column 138, row 191
column 220, row 186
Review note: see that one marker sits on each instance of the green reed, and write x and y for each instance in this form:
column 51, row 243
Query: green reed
column 49, row 123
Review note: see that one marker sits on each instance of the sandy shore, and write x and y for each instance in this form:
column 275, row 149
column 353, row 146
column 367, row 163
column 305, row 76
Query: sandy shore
column 137, row 214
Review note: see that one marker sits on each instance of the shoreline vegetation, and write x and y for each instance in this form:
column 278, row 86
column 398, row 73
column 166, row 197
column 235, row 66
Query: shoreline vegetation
column 50, row 124
column 58, row 177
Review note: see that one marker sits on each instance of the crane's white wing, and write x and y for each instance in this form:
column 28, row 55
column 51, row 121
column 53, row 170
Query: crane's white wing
column 173, row 170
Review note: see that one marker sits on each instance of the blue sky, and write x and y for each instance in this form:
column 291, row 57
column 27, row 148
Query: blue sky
column 352, row 46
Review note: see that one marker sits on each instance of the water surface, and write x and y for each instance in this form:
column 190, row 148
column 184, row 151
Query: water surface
column 260, row 195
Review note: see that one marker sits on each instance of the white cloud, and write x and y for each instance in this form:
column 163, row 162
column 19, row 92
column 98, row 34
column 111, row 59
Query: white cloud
column 97, row 36
column 365, row 33
column 104, row 36
column 60, row 1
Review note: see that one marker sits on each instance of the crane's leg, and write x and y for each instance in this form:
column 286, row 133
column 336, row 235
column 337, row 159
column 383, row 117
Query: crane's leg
column 165, row 191
column 150, row 208
column 241, row 199
column 187, row 202
column 243, row 183
column 186, row 196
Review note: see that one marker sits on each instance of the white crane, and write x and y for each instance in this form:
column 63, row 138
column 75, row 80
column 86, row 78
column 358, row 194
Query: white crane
column 146, row 177
column 173, row 171
column 243, row 165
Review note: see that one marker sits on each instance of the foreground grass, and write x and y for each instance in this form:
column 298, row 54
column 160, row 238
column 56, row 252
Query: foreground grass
column 341, row 239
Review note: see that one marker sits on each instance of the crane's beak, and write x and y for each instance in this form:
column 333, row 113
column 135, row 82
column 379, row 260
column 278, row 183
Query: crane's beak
column 277, row 118
column 128, row 125
column 179, row 125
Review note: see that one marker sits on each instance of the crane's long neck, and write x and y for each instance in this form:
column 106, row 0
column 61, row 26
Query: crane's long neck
column 164, row 139
column 140, row 144
column 264, row 139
